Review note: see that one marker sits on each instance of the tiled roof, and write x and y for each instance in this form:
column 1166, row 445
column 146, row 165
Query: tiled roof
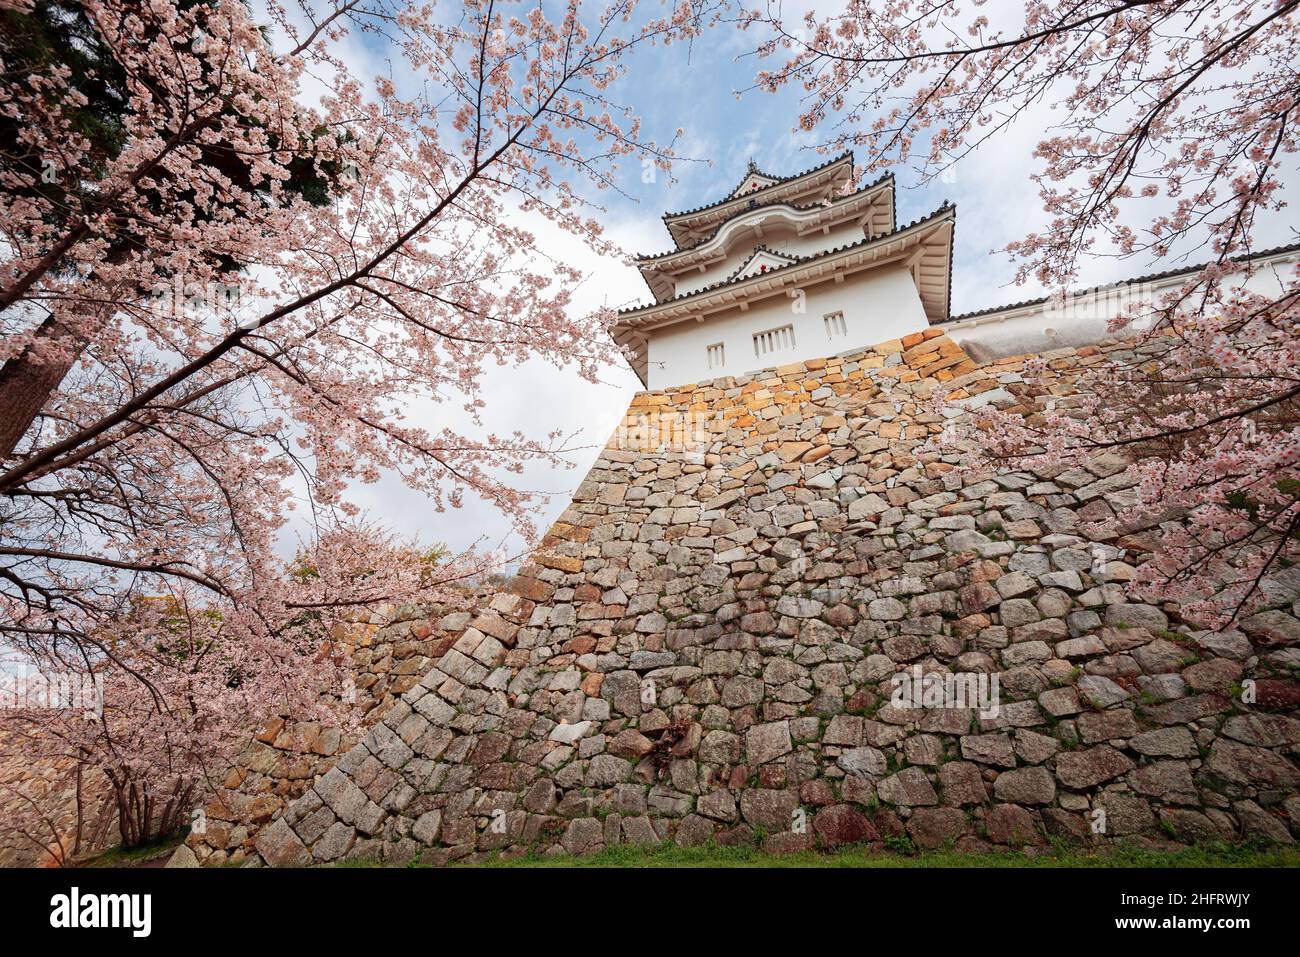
column 753, row 206
column 753, row 170
column 796, row 261
column 1149, row 277
column 848, row 154
column 760, row 248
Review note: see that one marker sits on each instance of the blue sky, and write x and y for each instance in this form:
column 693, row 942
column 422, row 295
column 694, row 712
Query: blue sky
column 693, row 87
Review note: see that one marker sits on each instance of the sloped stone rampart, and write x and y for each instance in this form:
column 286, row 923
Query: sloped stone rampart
column 705, row 650
column 389, row 657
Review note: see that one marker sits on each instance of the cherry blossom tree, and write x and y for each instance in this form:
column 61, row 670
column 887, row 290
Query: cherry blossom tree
column 160, row 700
column 1170, row 124
column 226, row 304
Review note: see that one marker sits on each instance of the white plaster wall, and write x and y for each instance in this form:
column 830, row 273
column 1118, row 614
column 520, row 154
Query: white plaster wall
column 779, row 239
column 879, row 305
column 1083, row 320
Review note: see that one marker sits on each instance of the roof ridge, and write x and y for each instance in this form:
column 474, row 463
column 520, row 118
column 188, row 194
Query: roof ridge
column 752, row 170
column 847, row 154
column 1148, row 277
column 799, row 260
column 762, row 248
column 751, row 208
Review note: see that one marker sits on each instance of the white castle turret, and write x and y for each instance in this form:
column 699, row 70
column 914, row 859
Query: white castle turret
column 786, row 269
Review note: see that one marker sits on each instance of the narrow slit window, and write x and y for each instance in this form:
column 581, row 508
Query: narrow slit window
column 835, row 326
column 773, row 340
column 717, row 354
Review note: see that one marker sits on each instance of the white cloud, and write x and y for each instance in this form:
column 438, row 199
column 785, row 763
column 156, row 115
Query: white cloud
column 535, row 398
column 996, row 201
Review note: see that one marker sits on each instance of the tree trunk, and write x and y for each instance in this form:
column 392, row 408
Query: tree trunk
column 138, row 819
column 27, row 384
column 81, row 817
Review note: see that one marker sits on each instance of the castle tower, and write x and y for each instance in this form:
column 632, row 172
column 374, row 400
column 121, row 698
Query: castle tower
column 784, row 269
column 721, row 640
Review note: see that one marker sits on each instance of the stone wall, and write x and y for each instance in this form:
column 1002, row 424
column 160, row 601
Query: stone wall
column 389, row 656
column 51, row 783
column 704, row 650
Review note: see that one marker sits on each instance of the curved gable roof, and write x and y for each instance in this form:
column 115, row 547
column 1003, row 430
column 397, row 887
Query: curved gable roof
column 875, row 203
column 924, row 246
column 680, row 225
column 760, row 260
column 753, row 180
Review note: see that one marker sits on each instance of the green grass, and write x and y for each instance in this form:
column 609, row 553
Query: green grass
column 1128, row 855
column 120, row 857
column 1216, row 854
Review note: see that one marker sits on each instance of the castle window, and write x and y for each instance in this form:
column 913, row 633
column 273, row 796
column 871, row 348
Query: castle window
column 835, row 326
column 717, row 355
column 773, row 340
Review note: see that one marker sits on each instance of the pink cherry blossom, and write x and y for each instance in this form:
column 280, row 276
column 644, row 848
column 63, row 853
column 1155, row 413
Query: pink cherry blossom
column 249, row 355
column 1190, row 103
